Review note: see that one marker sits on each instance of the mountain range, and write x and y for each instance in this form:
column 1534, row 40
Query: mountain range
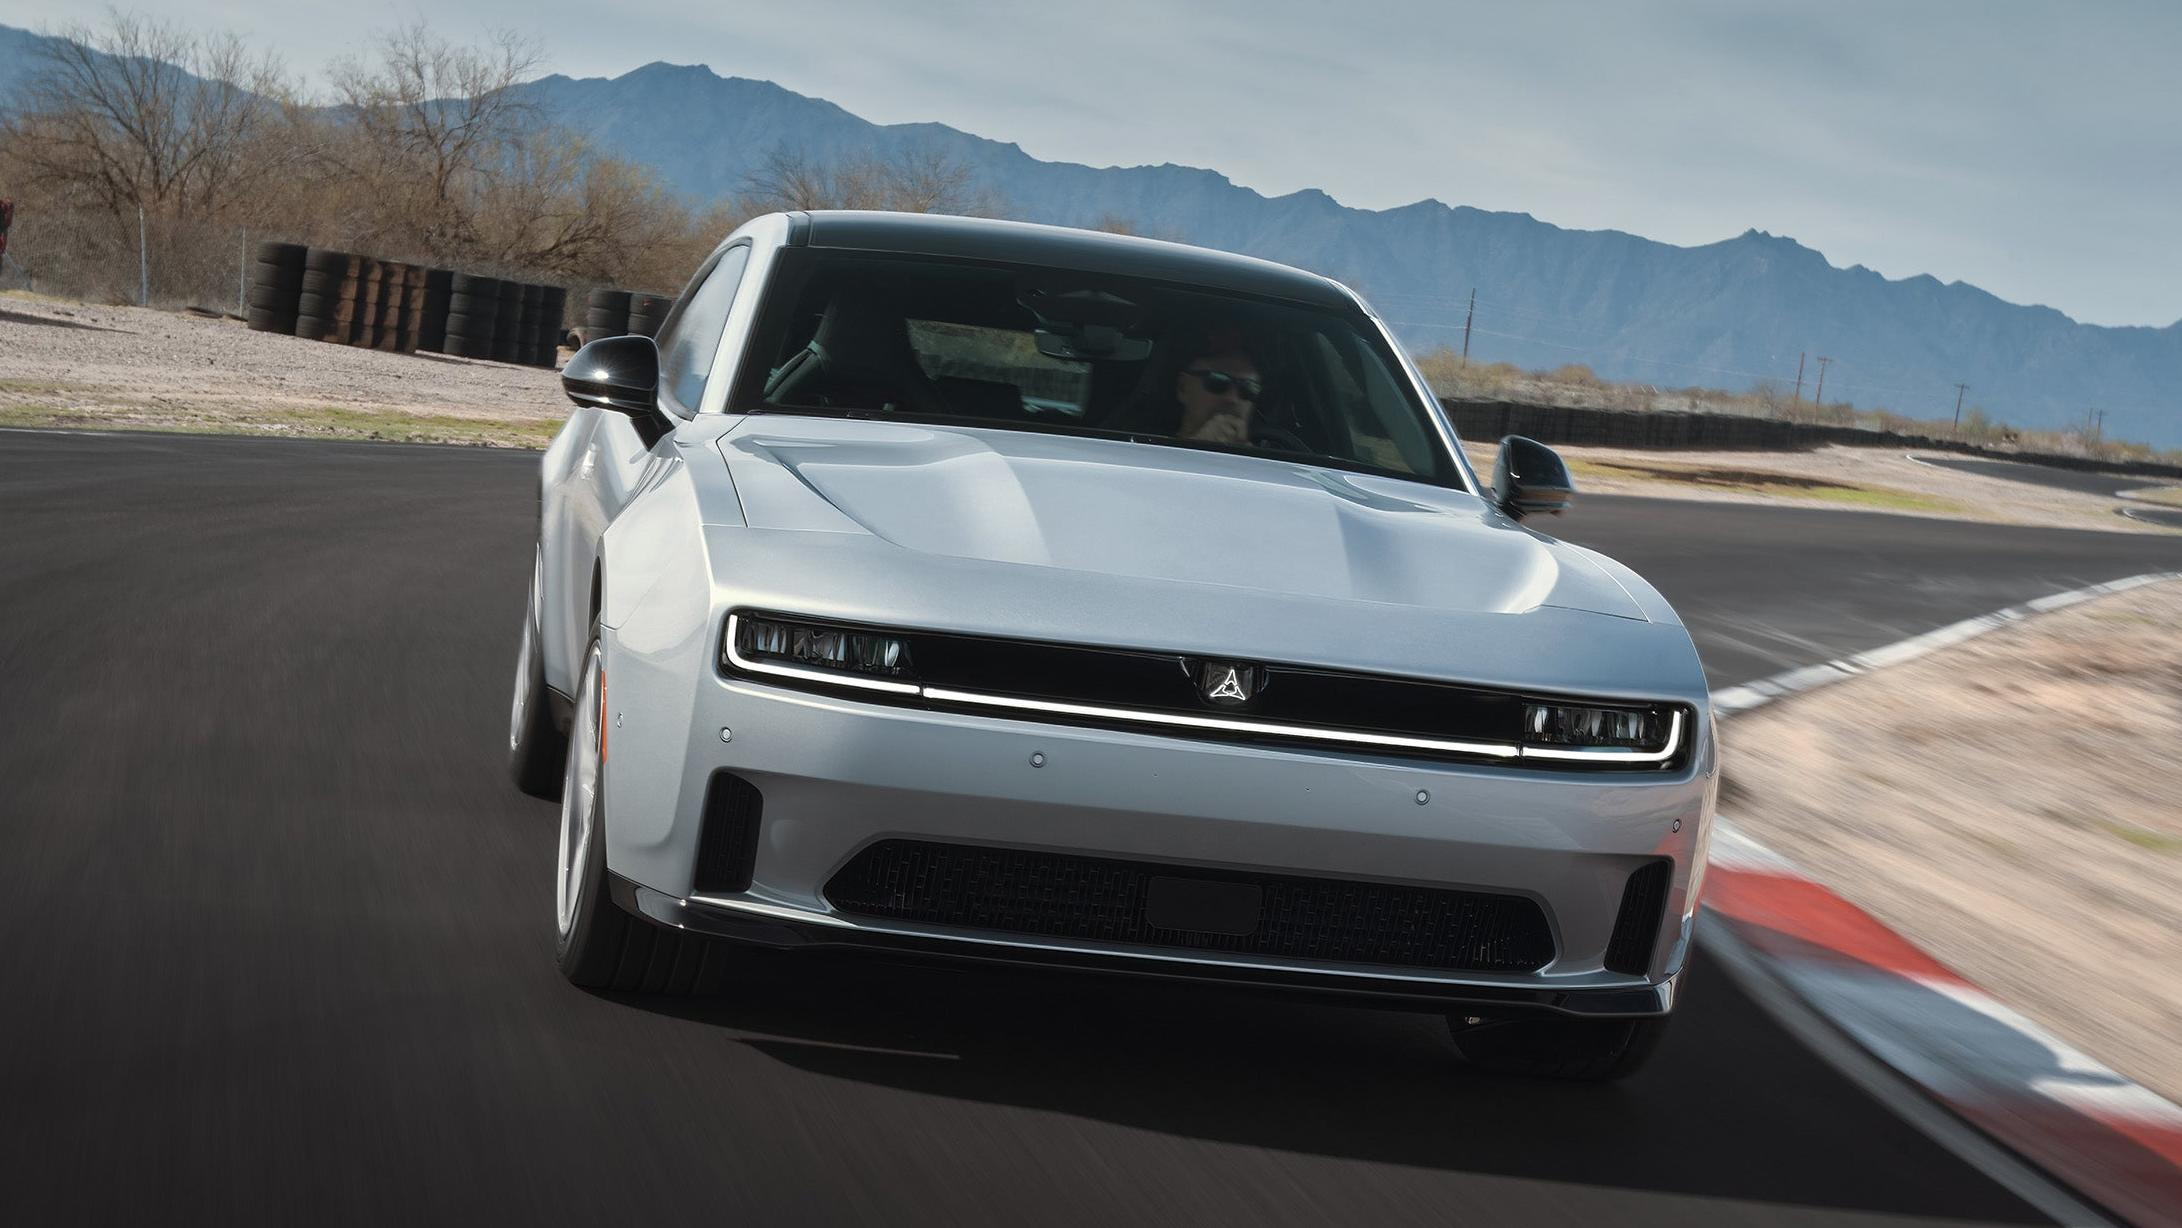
column 1725, row 314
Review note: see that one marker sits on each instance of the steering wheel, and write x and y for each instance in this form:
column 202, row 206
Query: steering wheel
column 1266, row 434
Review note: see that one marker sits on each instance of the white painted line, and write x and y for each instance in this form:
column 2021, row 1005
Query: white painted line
column 1734, row 699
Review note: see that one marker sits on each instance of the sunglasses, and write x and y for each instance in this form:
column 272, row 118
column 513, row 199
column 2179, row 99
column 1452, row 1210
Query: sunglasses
column 1217, row 382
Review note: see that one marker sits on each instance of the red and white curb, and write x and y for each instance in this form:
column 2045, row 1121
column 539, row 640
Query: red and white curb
column 2111, row 1141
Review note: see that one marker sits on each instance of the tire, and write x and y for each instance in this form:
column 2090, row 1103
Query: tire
column 266, row 320
column 273, row 298
column 327, row 306
column 327, row 282
column 313, row 328
column 472, row 284
column 327, row 260
column 537, row 751
column 598, row 946
column 263, row 274
column 287, row 255
column 475, row 327
column 1556, row 1047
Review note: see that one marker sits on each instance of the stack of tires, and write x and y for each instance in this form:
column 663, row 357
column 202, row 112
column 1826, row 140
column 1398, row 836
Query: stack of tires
column 432, row 328
column 552, row 324
column 473, row 313
column 327, row 309
column 605, row 314
column 365, row 333
column 507, row 338
column 620, row 313
column 393, row 281
column 325, row 295
column 413, row 301
column 276, row 285
column 648, row 313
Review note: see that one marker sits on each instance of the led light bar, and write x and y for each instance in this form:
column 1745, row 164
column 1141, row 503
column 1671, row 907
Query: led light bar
column 878, row 661
column 817, row 654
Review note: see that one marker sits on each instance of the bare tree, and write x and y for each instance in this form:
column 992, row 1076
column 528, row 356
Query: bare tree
column 428, row 120
column 922, row 180
column 145, row 115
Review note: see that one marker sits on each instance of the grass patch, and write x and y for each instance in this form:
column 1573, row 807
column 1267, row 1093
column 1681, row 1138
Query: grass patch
column 32, row 388
column 319, row 422
column 2145, row 837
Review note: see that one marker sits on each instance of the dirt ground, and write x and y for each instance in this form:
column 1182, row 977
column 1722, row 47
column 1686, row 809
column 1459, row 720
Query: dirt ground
column 81, row 366
column 2012, row 804
column 88, row 367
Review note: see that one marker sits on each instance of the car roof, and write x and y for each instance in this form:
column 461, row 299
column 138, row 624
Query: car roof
column 979, row 238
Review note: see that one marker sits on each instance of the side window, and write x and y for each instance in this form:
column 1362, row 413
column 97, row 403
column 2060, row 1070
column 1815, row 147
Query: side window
column 687, row 349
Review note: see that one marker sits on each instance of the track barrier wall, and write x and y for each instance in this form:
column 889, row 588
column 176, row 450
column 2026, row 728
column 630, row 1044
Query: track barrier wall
column 1483, row 421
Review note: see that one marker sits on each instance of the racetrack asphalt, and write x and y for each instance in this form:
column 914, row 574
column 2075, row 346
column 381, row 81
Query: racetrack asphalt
column 2083, row 480
column 279, row 939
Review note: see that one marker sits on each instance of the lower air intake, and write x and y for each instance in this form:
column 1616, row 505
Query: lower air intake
column 1636, row 928
column 727, row 845
column 1102, row 899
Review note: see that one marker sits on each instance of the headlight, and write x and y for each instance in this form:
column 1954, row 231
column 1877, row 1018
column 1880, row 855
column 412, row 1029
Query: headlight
column 1572, row 726
column 821, row 653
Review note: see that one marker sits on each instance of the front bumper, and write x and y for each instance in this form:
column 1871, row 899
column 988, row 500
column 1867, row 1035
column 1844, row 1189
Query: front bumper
column 770, row 925
column 837, row 775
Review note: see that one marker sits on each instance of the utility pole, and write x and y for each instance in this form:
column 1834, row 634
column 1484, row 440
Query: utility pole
column 143, row 264
column 242, row 275
column 1799, row 374
column 1819, row 397
column 1466, row 318
column 1959, row 390
column 2096, row 418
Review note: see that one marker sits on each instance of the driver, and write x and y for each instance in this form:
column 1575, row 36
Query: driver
column 1218, row 391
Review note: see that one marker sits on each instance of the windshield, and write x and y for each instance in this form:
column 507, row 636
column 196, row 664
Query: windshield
column 918, row 339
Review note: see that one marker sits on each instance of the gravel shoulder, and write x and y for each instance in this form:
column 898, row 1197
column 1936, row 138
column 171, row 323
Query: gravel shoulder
column 87, row 367
column 2013, row 805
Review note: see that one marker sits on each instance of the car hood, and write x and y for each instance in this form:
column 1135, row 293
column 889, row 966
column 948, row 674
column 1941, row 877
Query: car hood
column 1152, row 512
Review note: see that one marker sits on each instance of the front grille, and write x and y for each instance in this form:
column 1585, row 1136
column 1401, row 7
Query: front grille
column 1636, row 927
column 727, row 844
column 1057, row 895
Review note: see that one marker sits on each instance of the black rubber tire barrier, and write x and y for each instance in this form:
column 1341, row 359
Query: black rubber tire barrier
column 325, row 306
column 468, row 347
column 327, row 260
column 274, row 298
column 326, row 281
column 263, row 274
column 472, row 283
column 473, row 304
column 474, row 329
column 264, row 320
column 285, row 255
column 313, row 328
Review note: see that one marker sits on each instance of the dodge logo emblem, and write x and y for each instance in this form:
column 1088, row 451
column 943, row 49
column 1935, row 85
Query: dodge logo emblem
column 1227, row 684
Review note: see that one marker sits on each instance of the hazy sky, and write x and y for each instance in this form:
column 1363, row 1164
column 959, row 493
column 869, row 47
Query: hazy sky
column 2034, row 149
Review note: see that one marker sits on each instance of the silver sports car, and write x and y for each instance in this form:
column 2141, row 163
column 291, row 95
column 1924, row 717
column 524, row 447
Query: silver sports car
column 1013, row 593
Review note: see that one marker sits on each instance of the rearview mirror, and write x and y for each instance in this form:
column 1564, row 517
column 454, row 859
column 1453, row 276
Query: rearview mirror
column 616, row 373
column 1530, row 478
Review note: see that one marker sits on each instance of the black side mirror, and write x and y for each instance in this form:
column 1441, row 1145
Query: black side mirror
column 1530, row 478
column 616, row 373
